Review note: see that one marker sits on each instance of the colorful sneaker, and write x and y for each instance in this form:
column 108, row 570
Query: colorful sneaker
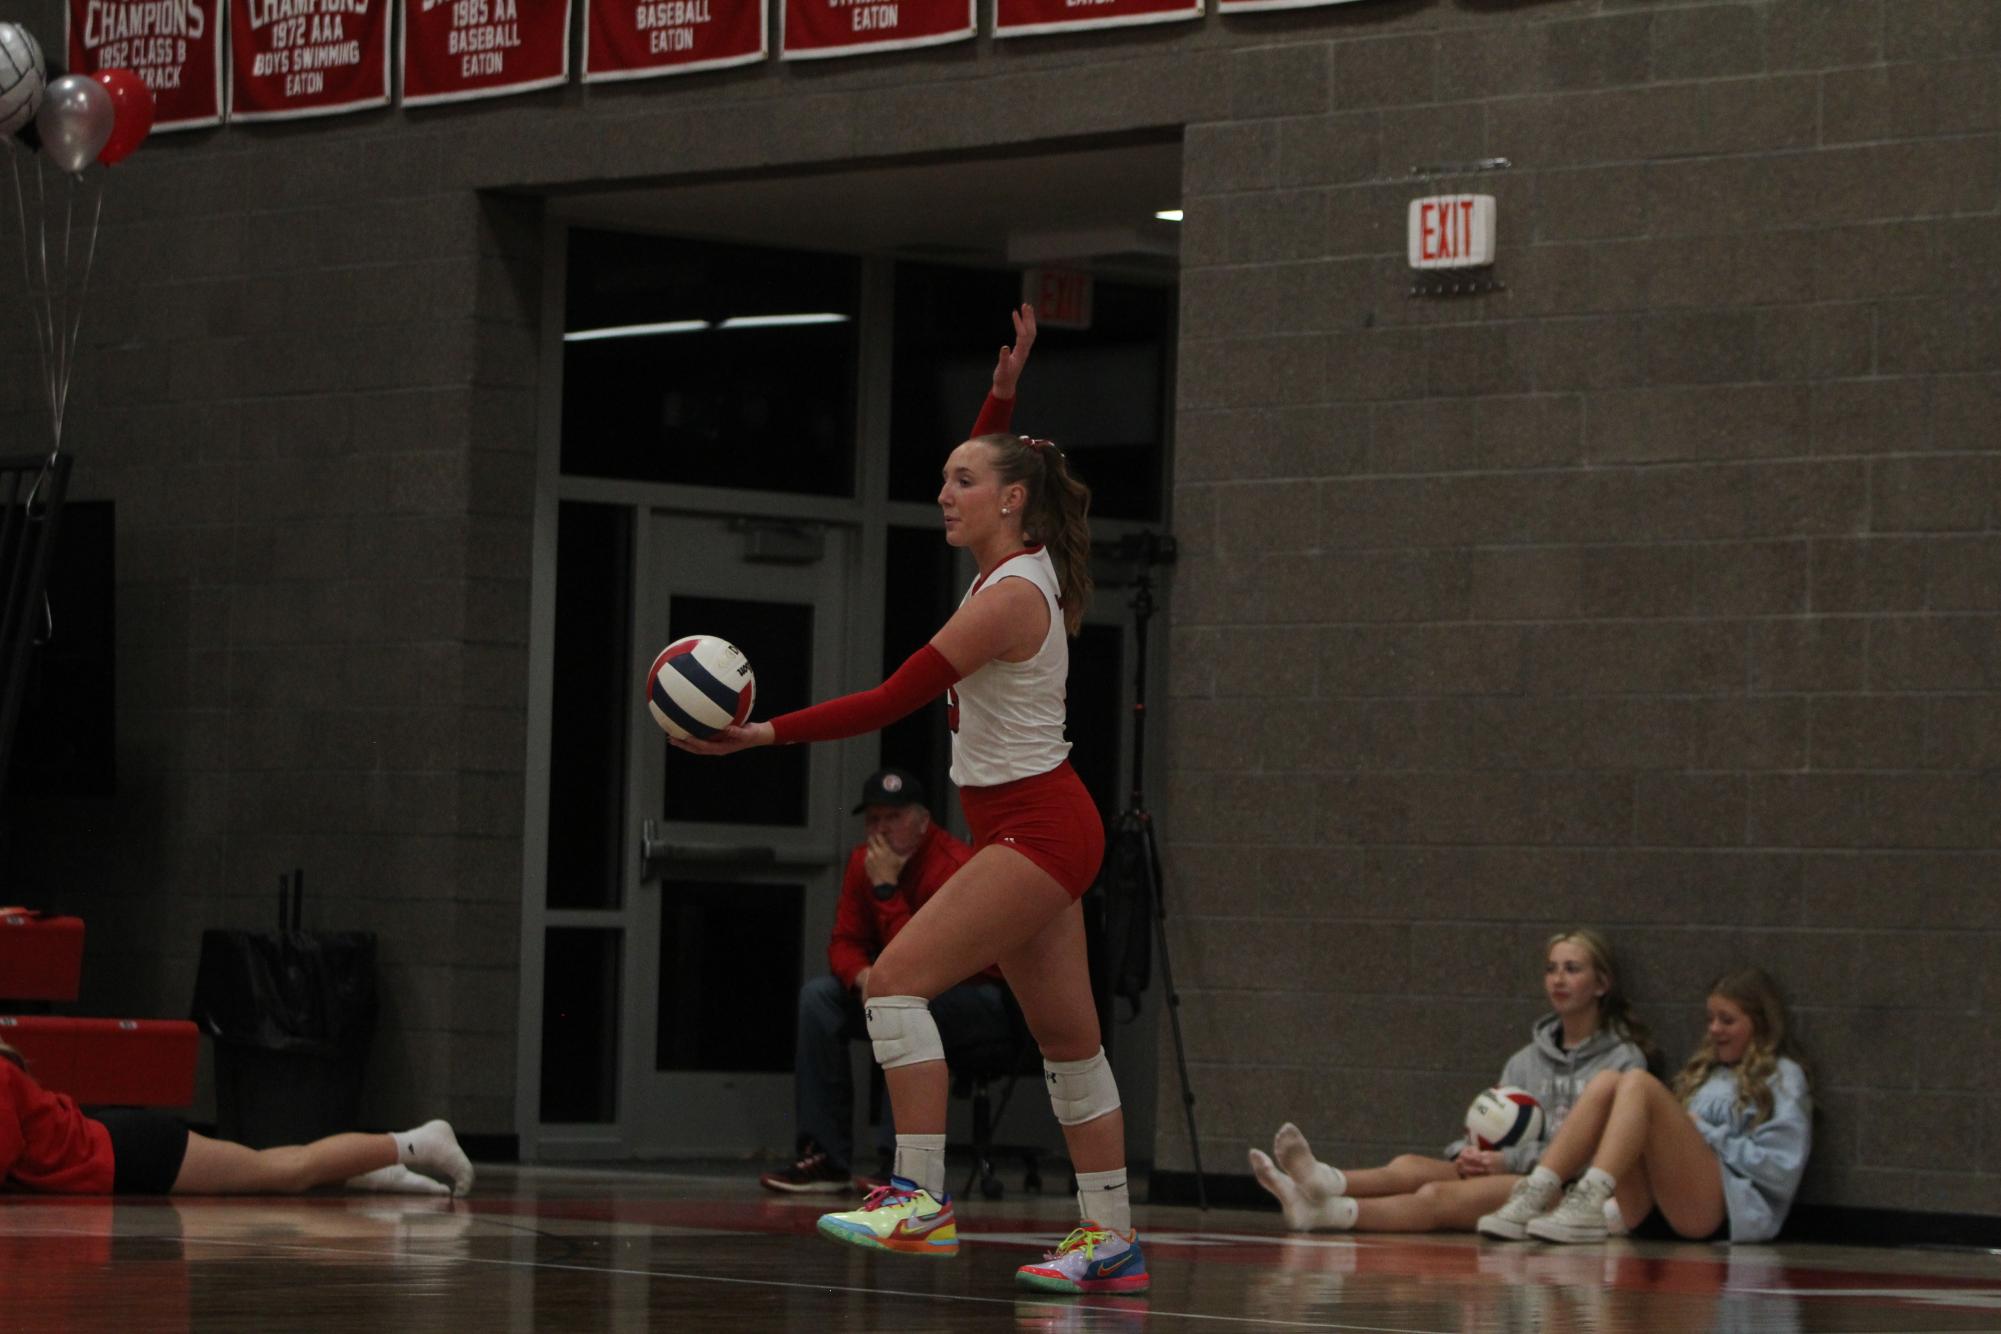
column 1091, row 1259
column 1529, row 1200
column 813, row 1174
column 1581, row 1216
column 901, row 1217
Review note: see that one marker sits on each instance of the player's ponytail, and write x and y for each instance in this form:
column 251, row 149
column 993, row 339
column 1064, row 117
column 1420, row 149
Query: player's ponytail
column 1057, row 513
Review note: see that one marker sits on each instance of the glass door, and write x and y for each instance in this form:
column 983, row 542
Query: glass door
column 733, row 868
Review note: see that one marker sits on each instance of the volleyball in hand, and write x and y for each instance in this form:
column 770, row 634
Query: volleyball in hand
column 1503, row 1117
column 699, row 686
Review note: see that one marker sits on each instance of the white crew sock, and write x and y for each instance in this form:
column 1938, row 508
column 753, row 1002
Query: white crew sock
column 1605, row 1179
column 1545, row 1176
column 1315, row 1179
column 1336, row 1214
column 434, row 1150
column 399, row 1179
column 1102, row 1199
column 921, row 1158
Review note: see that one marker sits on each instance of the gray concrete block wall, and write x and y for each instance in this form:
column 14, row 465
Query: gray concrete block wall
column 1657, row 591
column 1653, row 592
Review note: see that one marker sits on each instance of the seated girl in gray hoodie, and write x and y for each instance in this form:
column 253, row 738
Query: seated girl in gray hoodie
column 1720, row 1157
column 1589, row 1030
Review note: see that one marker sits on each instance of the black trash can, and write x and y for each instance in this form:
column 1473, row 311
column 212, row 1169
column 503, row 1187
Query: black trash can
column 292, row 1013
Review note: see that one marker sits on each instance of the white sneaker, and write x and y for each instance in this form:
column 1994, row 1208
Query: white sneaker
column 1615, row 1222
column 1530, row 1199
column 1581, row 1216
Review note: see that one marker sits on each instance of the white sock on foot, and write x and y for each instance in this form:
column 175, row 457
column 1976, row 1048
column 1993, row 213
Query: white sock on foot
column 1302, row 1214
column 921, row 1158
column 400, row 1179
column 1605, row 1179
column 1102, row 1199
column 1544, row 1175
column 434, row 1150
column 1315, row 1179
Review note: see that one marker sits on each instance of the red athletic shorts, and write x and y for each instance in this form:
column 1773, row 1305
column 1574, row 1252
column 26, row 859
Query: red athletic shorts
column 1048, row 818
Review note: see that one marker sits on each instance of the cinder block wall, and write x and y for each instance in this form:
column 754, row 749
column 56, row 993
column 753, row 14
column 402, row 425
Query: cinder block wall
column 1657, row 591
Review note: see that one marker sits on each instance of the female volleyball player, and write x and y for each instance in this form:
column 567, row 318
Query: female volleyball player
column 1000, row 661
column 1720, row 1157
column 1589, row 1029
column 47, row 1145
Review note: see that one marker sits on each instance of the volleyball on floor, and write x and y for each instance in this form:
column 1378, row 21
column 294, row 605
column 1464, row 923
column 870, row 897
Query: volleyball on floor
column 1501, row 1118
column 699, row 686
column 22, row 75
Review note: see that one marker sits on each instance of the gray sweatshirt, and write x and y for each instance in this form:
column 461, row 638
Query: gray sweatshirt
column 1762, row 1164
column 1556, row 1077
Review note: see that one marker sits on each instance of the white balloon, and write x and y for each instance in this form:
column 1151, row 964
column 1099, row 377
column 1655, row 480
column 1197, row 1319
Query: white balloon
column 75, row 120
column 23, row 75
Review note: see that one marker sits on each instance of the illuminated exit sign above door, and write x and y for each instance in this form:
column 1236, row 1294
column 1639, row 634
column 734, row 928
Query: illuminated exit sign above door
column 1452, row 232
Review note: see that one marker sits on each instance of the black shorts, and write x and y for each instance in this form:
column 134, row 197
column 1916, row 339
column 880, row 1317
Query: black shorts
column 1655, row 1227
column 146, row 1149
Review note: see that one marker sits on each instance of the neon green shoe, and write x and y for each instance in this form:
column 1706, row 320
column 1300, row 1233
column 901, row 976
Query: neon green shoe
column 901, row 1217
column 1091, row 1259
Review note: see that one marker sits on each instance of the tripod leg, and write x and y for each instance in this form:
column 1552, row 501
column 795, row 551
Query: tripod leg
column 1155, row 886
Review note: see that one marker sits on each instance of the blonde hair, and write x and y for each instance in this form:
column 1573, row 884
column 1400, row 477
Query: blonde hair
column 1752, row 991
column 1615, row 1012
column 1056, row 514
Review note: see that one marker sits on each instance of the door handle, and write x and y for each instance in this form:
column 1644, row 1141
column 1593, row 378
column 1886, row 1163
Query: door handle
column 655, row 852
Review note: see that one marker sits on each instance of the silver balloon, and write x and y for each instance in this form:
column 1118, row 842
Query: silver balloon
column 75, row 120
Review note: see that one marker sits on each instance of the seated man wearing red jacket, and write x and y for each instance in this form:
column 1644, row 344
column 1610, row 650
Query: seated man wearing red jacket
column 892, row 873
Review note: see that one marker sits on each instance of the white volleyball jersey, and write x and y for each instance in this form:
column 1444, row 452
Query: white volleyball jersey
column 1007, row 717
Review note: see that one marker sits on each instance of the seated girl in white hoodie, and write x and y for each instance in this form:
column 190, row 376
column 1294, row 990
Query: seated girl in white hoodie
column 1589, row 1030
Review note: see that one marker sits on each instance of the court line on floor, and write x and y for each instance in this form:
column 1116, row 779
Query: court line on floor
column 1151, row 1312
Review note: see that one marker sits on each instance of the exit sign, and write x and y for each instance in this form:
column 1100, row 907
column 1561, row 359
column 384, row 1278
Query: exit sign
column 1061, row 297
column 1452, row 232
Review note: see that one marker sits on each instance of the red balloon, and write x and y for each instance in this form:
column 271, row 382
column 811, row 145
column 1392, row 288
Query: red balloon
column 132, row 105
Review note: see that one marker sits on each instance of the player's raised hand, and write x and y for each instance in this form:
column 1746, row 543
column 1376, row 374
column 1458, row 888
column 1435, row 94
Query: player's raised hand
column 1007, row 370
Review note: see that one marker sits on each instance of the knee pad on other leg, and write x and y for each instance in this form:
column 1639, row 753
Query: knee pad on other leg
column 1083, row 1090
column 903, row 1031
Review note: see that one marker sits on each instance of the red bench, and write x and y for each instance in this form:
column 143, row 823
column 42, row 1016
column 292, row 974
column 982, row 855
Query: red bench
column 108, row 1062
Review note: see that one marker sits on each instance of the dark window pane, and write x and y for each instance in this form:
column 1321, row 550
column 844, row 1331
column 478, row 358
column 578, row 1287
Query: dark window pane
column 64, row 738
column 588, row 708
column 1100, row 392
column 709, row 400
column 580, row 1024
column 1096, row 690
column 766, row 786
column 920, row 595
column 707, row 934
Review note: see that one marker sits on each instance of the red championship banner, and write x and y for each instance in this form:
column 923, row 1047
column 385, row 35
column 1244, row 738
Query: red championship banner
column 455, row 50
column 638, row 39
column 1252, row 6
column 174, row 45
column 815, row 29
column 1026, row 18
column 294, row 58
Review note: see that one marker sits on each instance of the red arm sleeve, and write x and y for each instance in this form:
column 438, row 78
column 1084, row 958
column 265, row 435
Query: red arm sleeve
column 996, row 414
column 923, row 677
column 853, row 942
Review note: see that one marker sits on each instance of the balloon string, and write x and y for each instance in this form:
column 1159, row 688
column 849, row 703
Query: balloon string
column 83, row 289
column 27, row 268
column 48, row 299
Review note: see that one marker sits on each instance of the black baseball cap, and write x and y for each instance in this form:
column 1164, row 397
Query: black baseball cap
column 890, row 787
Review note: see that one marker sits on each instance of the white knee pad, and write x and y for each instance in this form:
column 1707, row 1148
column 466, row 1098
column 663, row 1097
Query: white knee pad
column 903, row 1030
column 1082, row 1091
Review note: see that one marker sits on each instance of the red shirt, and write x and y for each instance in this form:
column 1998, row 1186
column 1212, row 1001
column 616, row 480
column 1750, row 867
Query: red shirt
column 46, row 1144
column 863, row 923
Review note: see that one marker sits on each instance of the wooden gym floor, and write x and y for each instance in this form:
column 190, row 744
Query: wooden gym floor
column 546, row 1248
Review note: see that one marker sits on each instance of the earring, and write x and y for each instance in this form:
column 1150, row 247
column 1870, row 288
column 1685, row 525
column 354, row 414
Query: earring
column 1003, row 509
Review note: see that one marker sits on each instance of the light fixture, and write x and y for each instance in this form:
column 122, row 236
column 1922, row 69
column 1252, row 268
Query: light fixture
column 1168, row 214
column 635, row 330
column 781, row 321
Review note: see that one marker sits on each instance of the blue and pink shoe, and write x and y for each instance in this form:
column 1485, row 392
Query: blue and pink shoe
column 1091, row 1259
column 902, row 1217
